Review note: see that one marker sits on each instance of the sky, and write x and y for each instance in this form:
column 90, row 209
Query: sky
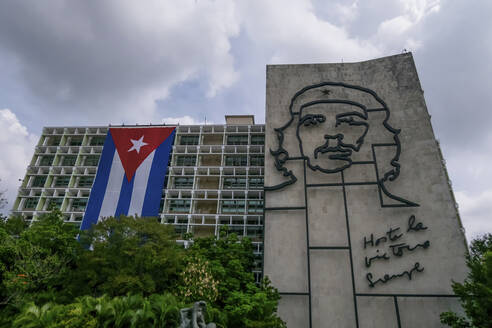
column 190, row 61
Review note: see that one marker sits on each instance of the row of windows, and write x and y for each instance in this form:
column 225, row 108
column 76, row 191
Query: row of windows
column 238, row 206
column 229, row 182
column 62, row 181
column 240, row 182
column 256, row 139
column 242, row 160
column 78, row 204
column 230, row 160
column 183, row 160
column 69, row 160
column 230, row 206
column 76, row 141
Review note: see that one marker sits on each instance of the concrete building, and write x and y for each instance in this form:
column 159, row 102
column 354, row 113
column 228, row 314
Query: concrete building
column 215, row 177
column 361, row 226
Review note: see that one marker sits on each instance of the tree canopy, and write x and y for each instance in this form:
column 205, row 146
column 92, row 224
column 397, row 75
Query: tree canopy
column 125, row 272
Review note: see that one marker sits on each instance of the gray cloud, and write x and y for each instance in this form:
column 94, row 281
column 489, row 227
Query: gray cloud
column 110, row 57
column 95, row 62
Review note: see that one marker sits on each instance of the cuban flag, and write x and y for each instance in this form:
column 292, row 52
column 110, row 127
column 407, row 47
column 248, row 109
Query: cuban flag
column 130, row 175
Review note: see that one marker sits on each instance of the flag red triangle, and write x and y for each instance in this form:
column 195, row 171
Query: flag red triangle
column 135, row 144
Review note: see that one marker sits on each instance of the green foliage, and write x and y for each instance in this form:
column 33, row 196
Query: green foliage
column 244, row 304
column 126, row 272
column 34, row 261
column 476, row 291
column 13, row 226
column 231, row 261
column 127, row 255
column 122, row 311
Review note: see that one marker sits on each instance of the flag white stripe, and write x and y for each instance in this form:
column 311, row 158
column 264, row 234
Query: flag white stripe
column 112, row 194
column 140, row 186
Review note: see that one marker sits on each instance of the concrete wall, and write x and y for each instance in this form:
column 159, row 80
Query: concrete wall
column 359, row 142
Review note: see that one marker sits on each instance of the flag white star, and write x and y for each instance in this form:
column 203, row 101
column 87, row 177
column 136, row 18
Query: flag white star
column 137, row 144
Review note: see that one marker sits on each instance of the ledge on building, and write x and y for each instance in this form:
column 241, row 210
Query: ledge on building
column 240, row 119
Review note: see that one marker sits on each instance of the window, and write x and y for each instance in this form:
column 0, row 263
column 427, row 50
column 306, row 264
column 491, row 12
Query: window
column 39, row 181
column 252, row 221
column 255, row 206
column 186, row 160
column 179, row 205
column 237, row 140
column 31, row 203
column 75, row 141
column 234, row 183
column 256, row 160
column 62, row 181
column 91, row 160
column 257, row 139
column 254, row 232
column 79, row 204
column 54, row 141
column 183, row 182
column 189, row 140
column 256, row 182
column 69, row 160
column 46, row 160
column 239, row 230
column 180, row 229
column 233, row 206
column 55, row 202
column 236, row 160
column 97, row 141
column 86, row 182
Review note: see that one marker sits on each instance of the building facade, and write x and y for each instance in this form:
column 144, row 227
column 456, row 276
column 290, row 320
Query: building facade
column 215, row 177
column 361, row 226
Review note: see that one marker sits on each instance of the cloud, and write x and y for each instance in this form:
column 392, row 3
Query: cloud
column 100, row 60
column 475, row 212
column 183, row 120
column 290, row 32
column 17, row 146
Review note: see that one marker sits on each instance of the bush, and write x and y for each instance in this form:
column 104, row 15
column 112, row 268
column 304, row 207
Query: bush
column 122, row 311
column 476, row 291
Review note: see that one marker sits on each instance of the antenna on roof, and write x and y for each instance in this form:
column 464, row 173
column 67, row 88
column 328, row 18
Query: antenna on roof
column 205, row 120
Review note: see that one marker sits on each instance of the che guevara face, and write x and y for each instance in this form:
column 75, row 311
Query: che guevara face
column 330, row 132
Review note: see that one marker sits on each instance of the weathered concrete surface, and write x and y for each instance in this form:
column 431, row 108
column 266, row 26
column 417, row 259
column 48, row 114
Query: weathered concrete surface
column 363, row 153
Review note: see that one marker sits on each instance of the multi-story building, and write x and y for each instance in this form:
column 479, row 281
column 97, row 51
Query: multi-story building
column 215, row 177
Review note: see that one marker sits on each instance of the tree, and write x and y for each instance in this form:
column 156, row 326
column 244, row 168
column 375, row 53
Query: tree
column 126, row 255
column 475, row 292
column 240, row 301
column 34, row 261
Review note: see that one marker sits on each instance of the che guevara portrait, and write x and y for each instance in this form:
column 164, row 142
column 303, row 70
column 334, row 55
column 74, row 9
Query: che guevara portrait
column 331, row 124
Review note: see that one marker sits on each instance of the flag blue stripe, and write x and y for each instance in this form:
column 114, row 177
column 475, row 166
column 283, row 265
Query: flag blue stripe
column 157, row 174
column 100, row 183
column 125, row 197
